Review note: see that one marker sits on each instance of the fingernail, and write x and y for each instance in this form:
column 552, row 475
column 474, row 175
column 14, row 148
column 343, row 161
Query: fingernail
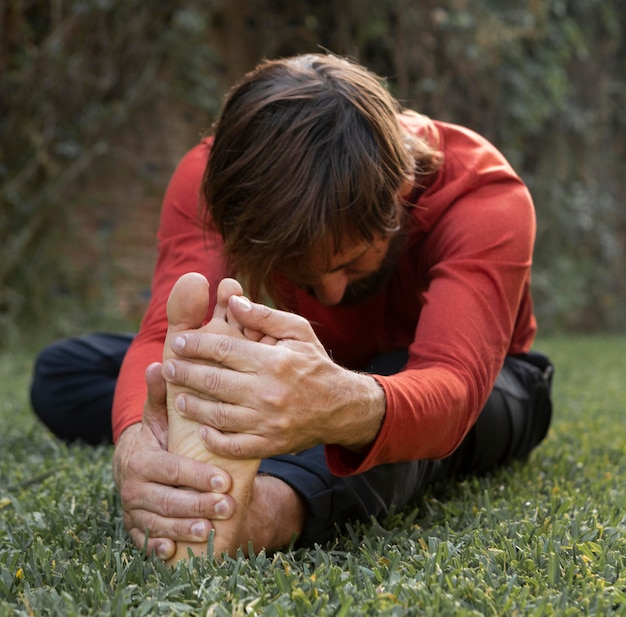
column 162, row 551
column 169, row 371
column 222, row 508
column 198, row 531
column 178, row 344
column 218, row 483
column 180, row 403
column 243, row 302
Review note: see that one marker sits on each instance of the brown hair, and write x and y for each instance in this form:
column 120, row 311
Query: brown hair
column 306, row 151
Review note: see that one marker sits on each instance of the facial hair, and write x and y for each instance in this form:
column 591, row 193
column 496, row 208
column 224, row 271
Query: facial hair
column 365, row 288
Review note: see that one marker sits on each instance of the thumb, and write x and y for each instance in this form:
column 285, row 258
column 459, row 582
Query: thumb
column 188, row 303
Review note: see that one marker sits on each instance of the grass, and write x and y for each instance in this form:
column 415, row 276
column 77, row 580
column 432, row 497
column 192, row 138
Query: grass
column 544, row 538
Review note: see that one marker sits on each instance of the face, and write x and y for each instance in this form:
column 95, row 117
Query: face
column 357, row 271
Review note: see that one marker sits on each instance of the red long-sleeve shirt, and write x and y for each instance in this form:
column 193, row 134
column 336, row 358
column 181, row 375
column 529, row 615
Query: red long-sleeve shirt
column 459, row 298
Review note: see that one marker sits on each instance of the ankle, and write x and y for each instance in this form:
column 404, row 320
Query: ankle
column 277, row 514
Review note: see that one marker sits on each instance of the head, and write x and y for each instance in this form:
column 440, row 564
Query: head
column 306, row 172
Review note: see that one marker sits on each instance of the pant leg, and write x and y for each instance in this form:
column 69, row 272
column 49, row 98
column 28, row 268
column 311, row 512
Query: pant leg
column 514, row 420
column 73, row 384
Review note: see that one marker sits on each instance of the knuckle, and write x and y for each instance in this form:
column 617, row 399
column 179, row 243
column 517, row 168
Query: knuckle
column 127, row 495
column 167, row 504
column 220, row 416
column 211, row 380
column 196, row 507
column 264, row 313
column 180, row 529
column 224, row 347
column 235, row 448
column 277, row 398
column 149, row 525
column 282, row 361
column 281, row 424
column 134, row 465
column 193, row 344
column 171, row 469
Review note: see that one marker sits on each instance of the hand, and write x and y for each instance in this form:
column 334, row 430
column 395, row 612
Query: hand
column 147, row 476
column 267, row 399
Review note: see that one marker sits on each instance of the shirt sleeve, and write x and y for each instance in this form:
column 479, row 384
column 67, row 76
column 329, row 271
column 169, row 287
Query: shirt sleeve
column 478, row 257
column 183, row 246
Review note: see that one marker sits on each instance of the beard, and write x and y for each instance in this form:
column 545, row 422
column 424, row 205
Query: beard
column 363, row 289
column 370, row 285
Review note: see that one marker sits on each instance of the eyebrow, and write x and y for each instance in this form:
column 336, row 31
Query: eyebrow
column 348, row 263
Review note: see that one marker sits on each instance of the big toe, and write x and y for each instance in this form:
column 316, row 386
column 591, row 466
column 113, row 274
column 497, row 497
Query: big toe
column 188, row 303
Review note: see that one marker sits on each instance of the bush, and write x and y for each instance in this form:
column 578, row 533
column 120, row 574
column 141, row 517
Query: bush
column 76, row 75
column 542, row 80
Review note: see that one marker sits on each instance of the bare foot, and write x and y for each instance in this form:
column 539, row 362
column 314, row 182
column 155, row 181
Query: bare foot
column 186, row 309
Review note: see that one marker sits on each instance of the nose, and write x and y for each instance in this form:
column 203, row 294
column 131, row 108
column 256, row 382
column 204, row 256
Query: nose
column 331, row 287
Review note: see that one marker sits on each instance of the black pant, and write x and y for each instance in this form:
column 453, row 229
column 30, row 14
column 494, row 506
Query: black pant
column 72, row 393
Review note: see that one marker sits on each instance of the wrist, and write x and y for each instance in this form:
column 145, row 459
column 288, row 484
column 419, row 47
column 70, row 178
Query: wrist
column 363, row 415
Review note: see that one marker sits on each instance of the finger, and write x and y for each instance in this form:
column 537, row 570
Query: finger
column 259, row 337
column 170, row 502
column 175, row 529
column 240, row 445
column 225, row 417
column 239, row 354
column 172, row 470
column 156, row 389
column 163, row 548
column 234, row 384
column 269, row 321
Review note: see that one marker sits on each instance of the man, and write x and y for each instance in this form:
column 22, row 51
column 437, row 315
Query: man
column 397, row 251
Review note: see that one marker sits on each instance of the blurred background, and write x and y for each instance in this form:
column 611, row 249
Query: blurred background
column 99, row 99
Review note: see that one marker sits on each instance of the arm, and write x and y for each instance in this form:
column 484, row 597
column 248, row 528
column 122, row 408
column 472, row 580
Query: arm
column 476, row 309
column 478, row 273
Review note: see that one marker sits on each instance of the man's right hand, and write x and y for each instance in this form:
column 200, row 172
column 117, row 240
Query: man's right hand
column 148, row 477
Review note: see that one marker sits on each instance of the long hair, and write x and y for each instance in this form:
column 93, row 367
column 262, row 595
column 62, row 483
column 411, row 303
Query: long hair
column 307, row 151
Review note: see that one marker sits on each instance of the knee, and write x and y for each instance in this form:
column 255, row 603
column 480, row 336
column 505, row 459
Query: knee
column 48, row 369
column 62, row 374
column 72, row 387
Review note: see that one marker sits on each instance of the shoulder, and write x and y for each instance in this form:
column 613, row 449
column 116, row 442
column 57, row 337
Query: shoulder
column 195, row 160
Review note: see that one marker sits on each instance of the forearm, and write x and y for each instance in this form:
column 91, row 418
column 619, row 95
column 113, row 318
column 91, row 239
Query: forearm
column 130, row 391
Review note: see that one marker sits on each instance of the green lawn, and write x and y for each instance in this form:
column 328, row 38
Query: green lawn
column 545, row 538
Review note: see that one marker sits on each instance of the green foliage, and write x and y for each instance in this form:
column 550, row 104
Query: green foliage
column 543, row 538
column 543, row 80
column 76, row 74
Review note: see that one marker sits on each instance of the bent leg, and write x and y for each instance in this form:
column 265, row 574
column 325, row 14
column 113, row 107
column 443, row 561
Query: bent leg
column 73, row 383
column 515, row 418
column 333, row 501
column 514, row 421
